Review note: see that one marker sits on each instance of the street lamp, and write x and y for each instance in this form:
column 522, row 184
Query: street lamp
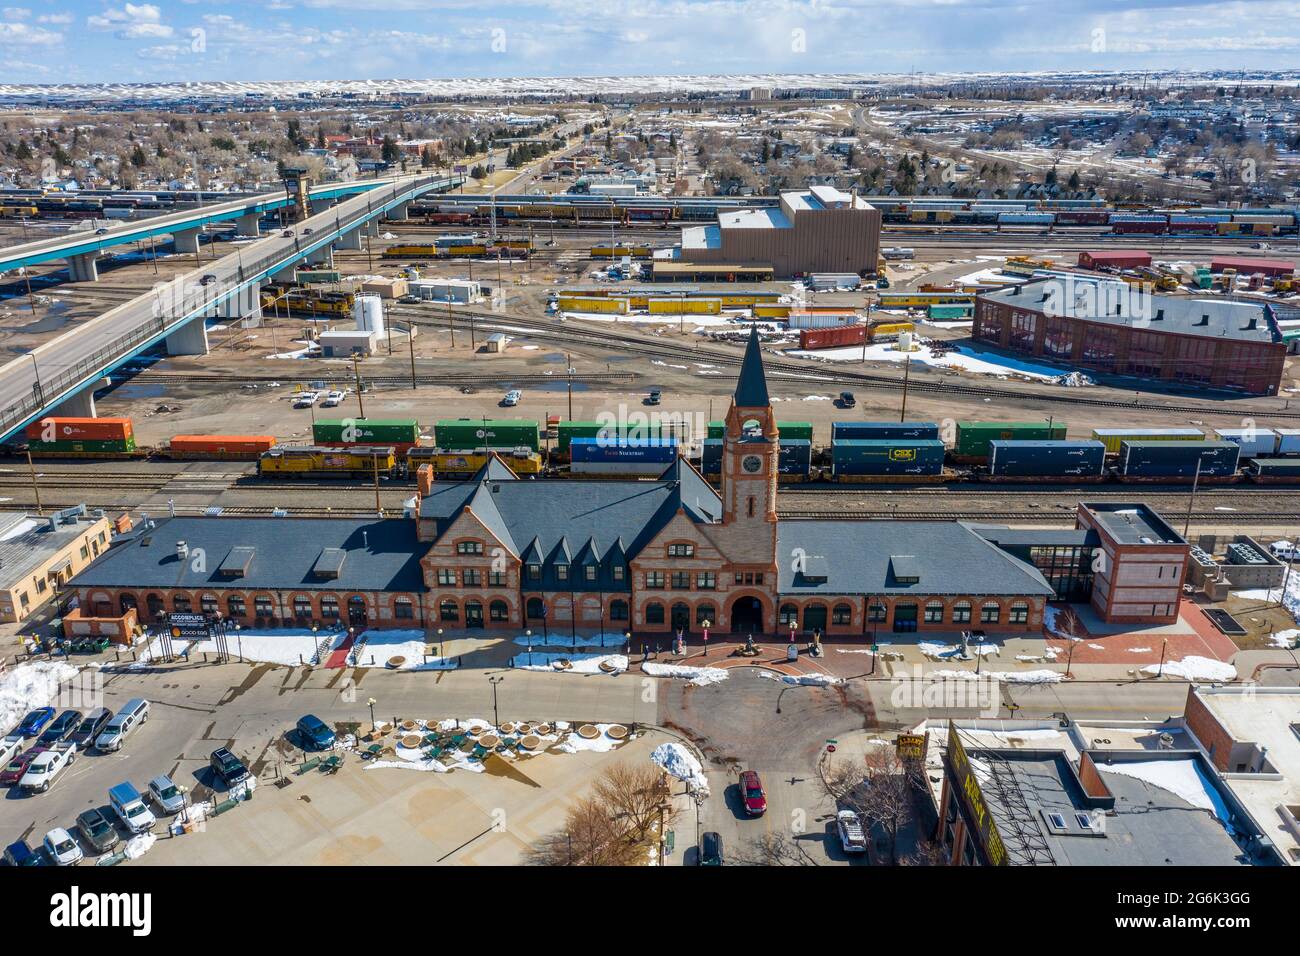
column 528, row 634
column 496, row 717
column 704, row 628
column 239, row 639
column 371, row 702
column 440, row 651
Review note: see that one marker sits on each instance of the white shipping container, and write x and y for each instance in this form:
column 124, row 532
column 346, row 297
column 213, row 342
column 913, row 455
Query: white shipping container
column 1288, row 441
column 824, row 281
column 1254, row 442
column 822, row 320
column 641, row 469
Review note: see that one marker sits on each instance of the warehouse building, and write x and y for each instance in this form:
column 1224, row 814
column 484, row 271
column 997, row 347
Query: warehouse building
column 1249, row 265
column 821, row 229
column 648, row 556
column 1114, row 259
column 1107, row 326
column 39, row 555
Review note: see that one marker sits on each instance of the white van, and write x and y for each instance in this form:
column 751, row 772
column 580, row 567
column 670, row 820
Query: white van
column 133, row 713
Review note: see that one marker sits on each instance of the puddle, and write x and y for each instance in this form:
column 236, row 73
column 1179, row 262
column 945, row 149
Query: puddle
column 141, row 391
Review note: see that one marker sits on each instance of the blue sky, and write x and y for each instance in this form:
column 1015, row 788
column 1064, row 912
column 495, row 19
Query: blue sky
column 89, row 41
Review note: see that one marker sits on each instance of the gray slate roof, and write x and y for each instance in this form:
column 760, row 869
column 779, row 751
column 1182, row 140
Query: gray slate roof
column 27, row 542
column 378, row 554
column 948, row 557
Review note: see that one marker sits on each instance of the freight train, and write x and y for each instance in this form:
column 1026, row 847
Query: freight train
column 484, row 249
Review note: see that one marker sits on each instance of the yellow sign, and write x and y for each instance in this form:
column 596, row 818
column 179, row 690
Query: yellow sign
column 911, row 746
column 973, row 798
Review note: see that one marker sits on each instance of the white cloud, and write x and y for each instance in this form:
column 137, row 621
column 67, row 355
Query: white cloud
column 132, row 22
column 17, row 13
column 55, row 18
column 22, row 33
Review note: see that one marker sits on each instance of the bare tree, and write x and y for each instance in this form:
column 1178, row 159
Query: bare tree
column 615, row 826
column 774, row 849
column 636, row 795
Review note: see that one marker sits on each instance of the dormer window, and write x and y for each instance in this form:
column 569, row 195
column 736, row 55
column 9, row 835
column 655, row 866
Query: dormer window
column 618, row 572
column 534, row 571
column 591, row 572
column 681, row 550
column 561, row 572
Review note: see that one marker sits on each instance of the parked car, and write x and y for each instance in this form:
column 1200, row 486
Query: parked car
column 169, row 797
column 710, row 849
column 19, row 853
column 9, row 748
column 96, row 829
column 228, row 767
column 512, row 398
column 333, row 400
column 208, row 279
column 61, row 848
column 133, row 713
column 14, row 770
column 305, row 399
column 101, row 231
column 46, row 766
column 129, row 806
column 61, row 728
column 852, row 837
column 848, row 400
column 91, row 726
column 752, row 793
column 314, row 733
column 287, row 234
column 35, row 722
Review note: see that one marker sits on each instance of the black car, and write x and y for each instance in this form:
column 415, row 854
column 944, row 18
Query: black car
column 847, row 400
column 60, row 728
column 85, row 734
column 710, row 849
column 228, row 767
column 96, row 827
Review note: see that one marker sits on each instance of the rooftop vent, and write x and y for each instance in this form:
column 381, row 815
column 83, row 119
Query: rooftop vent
column 238, row 562
column 329, row 563
column 1204, row 319
column 182, row 550
column 1159, row 316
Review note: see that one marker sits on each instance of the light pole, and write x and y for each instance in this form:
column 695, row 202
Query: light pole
column 239, row 640
column 704, row 628
column 371, row 702
column 440, row 650
column 496, row 717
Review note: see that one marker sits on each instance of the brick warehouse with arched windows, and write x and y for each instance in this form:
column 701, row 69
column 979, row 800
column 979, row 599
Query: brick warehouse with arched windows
column 500, row 553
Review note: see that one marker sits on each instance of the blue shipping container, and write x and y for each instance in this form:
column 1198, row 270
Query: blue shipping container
column 794, row 457
column 1178, row 459
column 864, row 456
column 1029, row 459
column 842, row 431
column 601, row 450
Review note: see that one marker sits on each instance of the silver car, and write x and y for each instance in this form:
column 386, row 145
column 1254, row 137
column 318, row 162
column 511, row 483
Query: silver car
column 169, row 797
column 852, row 837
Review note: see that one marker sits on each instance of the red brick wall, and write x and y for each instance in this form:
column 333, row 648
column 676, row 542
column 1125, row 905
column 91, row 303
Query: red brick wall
column 1213, row 736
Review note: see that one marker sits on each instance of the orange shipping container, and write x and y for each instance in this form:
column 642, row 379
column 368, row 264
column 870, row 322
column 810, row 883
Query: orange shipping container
column 251, row 445
column 80, row 429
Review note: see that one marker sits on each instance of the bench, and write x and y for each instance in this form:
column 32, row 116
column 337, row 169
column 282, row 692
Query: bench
column 332, row 764
column 311, row 764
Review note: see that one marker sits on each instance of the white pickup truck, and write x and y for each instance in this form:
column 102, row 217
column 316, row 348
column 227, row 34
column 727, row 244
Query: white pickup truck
column 46, row 766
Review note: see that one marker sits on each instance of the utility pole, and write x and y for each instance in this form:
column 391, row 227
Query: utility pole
column 35, row 484
column 1191, row 500
column 356, row 371
column 410, row 341
column 451, row 322
column 907, row 368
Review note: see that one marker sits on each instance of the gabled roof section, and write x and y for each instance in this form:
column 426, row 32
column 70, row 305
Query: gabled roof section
column 751, row 386
column 533, row 553
column 560, row 554
column 484, row 507
column 589, row 553
column 696, row 496
column 495, row 469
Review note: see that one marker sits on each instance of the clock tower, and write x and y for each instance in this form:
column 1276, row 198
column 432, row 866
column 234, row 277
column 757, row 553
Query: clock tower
column 750, row 453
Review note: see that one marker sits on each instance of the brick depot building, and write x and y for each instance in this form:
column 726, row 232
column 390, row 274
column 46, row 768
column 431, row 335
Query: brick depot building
column 1103, row 325
column 497, row 552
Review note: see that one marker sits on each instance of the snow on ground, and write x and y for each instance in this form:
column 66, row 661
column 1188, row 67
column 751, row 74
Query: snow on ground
column 960, row 357
column 25, row 687
column 1291, row 600
column 679, row 762
column 289, row 646
column 806, row 680
column 382, row 646
column 699, row 676
column 1183, row 778
column 940, row 652
column 1285, row 638
column 1194, row 668
column 564, row 640
column 581, row 663
column 139, row 845
column 1005, row 677
column 603, row 743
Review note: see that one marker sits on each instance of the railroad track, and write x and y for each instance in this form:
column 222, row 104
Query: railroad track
column 901, row 515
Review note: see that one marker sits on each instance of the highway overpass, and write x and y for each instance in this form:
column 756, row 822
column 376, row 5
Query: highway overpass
column 81, row 248
column 66, row 370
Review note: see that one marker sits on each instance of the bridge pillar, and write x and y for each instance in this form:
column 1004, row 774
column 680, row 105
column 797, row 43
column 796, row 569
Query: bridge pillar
column 398, row 212
column 190, row 339
column 81, row 405
column 322, row 256
column 186, row 240
column 350, row 240
column 247, row 226
column 82, row 268
column 372, row 228
column 245, row 305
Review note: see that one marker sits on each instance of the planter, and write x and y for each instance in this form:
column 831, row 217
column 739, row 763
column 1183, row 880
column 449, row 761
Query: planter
column 531, row 742
column 412, row 741
column 543, row 729
column 395, row 662
column 618, row 732
column 589, row 731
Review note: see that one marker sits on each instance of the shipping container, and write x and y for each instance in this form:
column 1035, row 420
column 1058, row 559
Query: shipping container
column 787, row 430
column 711, row 456
column 951, row 312
column 1280, row 470
column 649, row 450
column 55, row 428
column 236, row 447
column 822, row 319
column 684, row 306
column 1111, row 437
column 456, row 434
column 592, row 304
column 73, row 446
column 1178, row 459
column 1254, row 442
column 845, row 431
column 1028, row 459
column 1026, row 218
column 794, row 458
column 864, row 457
column 1288, row 441
column 838, row 337
column 972, row 442
column 365, row 431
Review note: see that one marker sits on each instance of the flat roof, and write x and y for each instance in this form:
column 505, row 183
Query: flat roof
column 754, row 219
column 690, row 268
column 1110, row 301
column 27, row 542
column 1133, row 523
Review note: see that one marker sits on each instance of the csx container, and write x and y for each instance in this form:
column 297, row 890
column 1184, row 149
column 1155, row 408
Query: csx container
column 462, row 433
column 595, row 456
column 51, row 429
column 1254, row 442
column 863, row 457
column 843, row 431
column 1112, row 437
column 973, row 438
column 366, row 431
column 1178, row 459
column 1083, row 458
column 832, row 338
column 235, row 447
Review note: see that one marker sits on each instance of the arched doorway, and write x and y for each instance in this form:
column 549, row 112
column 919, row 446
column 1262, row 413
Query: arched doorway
column 747, row 615
column 681, row 617
column 473, row 614
column 357, row 616
column 814, row 618
column 126, row 602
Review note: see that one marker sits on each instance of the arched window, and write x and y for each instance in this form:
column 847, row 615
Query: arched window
column 301, row 606
column 933, row 612
column 181, row 604
column 789, row 616
column 403, row 609
column 842, row 614
column 499, row 611
column 990, row 613
column 961, row 612
column 706, row 612
column 126, row 602
column 535, row 608
column 618, row 610
column 654, row 613
column 1019, row 613
column 235, row 606
column 329, row 607
column 447, row 611
column 208, row 604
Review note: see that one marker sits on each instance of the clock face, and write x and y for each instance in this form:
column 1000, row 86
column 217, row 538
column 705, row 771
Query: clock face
column 751, row 463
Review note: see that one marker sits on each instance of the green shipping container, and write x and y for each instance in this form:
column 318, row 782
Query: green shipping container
column 461, row 433
column 568, row 431
column 950, row 312
column 973, row 437
column 79, row 445
column 366, row 431
column 792, row 430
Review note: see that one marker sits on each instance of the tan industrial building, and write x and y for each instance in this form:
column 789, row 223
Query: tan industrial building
column 821, row 229
column 40, row 554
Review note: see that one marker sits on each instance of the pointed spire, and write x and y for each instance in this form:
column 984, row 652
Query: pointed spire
column 751, row 387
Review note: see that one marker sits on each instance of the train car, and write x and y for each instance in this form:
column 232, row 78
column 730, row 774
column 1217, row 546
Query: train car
column 599, row 458
column 684, row 306
column 448, row 218
column 884, row 431
column 1267, row 471
column 914, row 300
column 1113, row 437
column 649, row 214
column 1017, row 459
column 838, row 336
column 788, row 430
column 1254, row 442
column 467, row 463
column 459, row 433
column 1288, row 441
column 972, row 439
column 1184, row 460
column 401, row 433
column 18, row 212
column 593, row 303
column 219, row 447
column 314, row 461
column 794, row 460
column 618, row 252
column 1145, row 225
column 891, row 459
column 1082, row 217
